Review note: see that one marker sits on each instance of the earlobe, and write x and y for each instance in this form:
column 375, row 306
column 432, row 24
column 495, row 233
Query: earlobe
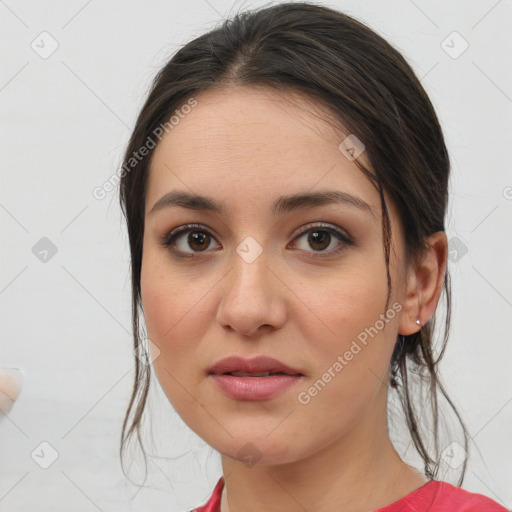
column 410, row 321
column 424, row 285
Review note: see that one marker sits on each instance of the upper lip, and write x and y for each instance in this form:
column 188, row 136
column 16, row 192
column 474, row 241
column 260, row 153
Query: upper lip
column 254, row 365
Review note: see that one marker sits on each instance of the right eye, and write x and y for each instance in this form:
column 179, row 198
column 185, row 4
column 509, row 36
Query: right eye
column 198, row 239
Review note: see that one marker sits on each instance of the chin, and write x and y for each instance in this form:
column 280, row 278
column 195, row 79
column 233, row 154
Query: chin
column 257, row 448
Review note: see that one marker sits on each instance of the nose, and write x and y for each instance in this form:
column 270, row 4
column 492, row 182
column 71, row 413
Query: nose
column 252, row 297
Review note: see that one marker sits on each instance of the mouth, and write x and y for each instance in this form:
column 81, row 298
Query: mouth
column 258, row 374
column 255, row 386
column 260, row 378
column 260, row 366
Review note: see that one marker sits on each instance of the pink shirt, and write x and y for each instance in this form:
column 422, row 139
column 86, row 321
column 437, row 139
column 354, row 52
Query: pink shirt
column 433, row 496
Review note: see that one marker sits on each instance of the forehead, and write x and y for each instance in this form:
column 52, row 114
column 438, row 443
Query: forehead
column 239, row 121
column 259, row 142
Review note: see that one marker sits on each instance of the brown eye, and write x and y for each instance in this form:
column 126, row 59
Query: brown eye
column 197, row 241
column 319, row 238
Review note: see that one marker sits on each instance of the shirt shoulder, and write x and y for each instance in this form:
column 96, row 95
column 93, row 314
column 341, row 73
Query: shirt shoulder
column 450, row 497
column 213, row 504
column 434, row 496
column 439, row 496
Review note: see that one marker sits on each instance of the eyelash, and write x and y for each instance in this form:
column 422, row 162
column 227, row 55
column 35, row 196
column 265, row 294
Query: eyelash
column 170, row 238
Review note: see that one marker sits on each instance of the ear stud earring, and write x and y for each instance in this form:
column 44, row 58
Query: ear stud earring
column 418, row 322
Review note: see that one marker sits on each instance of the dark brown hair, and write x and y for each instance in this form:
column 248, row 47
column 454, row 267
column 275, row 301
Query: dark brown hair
column 370, row 89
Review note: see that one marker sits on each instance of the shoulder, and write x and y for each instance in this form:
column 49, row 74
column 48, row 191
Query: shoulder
column 213, row 504
column 450, row 497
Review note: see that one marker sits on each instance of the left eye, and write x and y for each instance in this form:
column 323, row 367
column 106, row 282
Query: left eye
column 321, row 237
column 318, row 237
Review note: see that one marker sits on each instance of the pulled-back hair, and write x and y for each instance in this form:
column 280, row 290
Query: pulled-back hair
column 369, row 87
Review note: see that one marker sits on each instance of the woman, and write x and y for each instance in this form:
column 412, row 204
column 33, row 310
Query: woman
column 285, row 189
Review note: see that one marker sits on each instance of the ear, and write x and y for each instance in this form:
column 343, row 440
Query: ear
column 424, row 284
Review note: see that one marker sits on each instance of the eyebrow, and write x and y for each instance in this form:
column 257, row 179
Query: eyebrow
column 281, row 206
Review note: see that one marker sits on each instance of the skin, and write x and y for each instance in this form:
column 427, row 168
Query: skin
column 245, row 147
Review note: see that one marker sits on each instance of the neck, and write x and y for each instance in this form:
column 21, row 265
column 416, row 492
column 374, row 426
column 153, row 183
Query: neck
column 360, row 471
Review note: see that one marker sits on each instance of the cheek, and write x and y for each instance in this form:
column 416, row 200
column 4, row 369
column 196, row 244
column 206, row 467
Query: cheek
column 348, row 353
column 175, row 319
column 164, row 302
column 348, row 319
column 346, row 302
column 176, row 311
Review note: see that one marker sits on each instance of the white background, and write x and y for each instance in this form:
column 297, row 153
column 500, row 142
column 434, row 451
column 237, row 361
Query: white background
column 65, row 121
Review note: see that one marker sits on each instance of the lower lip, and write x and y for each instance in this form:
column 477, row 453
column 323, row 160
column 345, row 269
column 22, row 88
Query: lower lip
column 254, row 388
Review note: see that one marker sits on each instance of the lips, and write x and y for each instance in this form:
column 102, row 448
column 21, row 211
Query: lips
column 261, row 366
column 257, row 379
column 254, row 374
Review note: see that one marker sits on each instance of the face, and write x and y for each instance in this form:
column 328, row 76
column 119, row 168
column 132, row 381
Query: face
column 305, row 285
